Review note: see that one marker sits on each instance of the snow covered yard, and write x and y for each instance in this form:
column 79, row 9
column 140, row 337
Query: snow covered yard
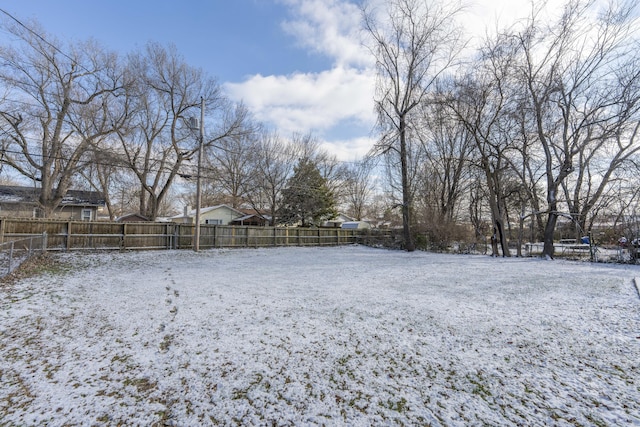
column 320, row 336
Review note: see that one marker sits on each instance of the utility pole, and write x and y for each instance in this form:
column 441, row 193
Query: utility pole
column 196, row 242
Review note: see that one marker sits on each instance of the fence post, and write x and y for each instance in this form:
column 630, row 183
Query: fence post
column 44, row 241
column 68, row 235
column 10, row 257
column 123, row 236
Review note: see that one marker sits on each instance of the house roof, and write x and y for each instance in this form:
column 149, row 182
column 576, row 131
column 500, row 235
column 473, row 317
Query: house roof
column 18, row 194
column 343, row 217
column 244, row 218
column 253, row 215
column 132, row 217
column 192, row 212
column 355, row 224
column 251, row 211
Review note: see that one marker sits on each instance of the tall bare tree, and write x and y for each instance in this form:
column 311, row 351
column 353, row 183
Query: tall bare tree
column 158, row 139
column 229, row 166
column 413, row 42
column 56, row 108
column 566, row 69
column 599, row 163
column 274, row 162
column 359, row 187
column 483, row 102
column 446, row 151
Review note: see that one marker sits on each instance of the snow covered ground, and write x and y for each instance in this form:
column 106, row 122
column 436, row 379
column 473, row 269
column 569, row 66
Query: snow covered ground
column 320, row 336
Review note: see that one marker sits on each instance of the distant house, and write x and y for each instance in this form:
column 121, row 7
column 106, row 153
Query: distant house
column 252, row 217
column 223, row 215
column 22, row 202
column 337, row 221
column 212, row 215
column 356, row 225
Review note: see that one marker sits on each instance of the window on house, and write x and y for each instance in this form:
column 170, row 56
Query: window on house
column 86, row 215
column 213, row 221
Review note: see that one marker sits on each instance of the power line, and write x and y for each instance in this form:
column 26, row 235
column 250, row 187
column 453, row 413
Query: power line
column 95, row 161
column 57, row 49
column 121, row 165
column 164, row 169
column 40, row 37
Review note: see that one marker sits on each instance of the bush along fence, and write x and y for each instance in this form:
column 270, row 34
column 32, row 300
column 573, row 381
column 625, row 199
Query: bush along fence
column 96, row 235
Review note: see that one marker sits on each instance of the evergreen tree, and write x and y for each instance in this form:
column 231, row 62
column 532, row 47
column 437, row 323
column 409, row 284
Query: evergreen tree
column 307, row 199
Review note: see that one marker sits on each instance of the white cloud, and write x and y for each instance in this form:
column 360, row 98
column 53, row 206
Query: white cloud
column 327, row 101
column 329, row 27
column 353, row 149
column 304, row 102
column 488, row 16
column 318, row 102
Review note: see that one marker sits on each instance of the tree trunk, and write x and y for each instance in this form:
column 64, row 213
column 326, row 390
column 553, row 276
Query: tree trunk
column 548, row 249
column 497, row 209
column 409, row 244
column 502, row 238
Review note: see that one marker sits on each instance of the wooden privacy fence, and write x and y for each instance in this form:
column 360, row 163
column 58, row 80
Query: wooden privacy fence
column 75, row 235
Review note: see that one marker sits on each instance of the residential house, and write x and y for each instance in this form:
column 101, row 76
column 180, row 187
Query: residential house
column 356, row 225
column 252, row 217
column 338, row 221
column 22, row 202
column 212, row 215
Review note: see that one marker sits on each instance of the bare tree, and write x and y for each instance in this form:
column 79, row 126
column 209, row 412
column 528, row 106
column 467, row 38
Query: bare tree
column 565, row 70
column 101, row 174
column 446, row 153
column 599, row 163
column 359, row 187
column 274, row 161
column 229, row 166
column 158, row 139
column 57, row 107
column 414, row 43
column 483, row 102
column 334, row 172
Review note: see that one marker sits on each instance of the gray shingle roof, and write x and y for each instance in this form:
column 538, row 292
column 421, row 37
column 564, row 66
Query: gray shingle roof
column 18, row 194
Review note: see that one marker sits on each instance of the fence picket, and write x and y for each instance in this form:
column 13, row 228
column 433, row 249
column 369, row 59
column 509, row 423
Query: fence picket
column 76, row 235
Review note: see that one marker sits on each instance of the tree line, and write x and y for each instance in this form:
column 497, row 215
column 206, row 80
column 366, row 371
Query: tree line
column 80, row 116
column 538, row 122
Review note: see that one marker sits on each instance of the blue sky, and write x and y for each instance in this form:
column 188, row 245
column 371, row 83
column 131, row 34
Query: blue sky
column 297, row 64
column 229, row 39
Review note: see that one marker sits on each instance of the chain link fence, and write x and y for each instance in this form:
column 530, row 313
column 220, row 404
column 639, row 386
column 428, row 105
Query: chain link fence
column 15, row 252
